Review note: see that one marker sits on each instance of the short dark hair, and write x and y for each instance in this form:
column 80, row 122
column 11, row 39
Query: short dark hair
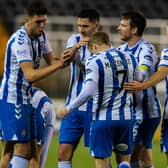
column 36, row 8
column 137, row 19
column 91, row 14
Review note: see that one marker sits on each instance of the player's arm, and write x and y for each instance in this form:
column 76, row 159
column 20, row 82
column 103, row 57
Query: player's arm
column 73, row 50
column 87, row 92
column 151, row 81
column 33, row 75
column 50, row 58
column 142, row 73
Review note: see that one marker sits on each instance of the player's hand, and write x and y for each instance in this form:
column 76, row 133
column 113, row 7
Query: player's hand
column 133, row 86
column 63, row 112
column 66, row 57
column 83, row 41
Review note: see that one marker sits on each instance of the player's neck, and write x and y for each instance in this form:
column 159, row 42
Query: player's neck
column 134, row 40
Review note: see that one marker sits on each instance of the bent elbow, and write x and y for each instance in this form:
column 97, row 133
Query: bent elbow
column 29, row 77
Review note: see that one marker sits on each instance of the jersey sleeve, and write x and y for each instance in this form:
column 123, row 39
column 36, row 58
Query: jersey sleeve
column 91, row 70
column 146, row 58
column 21, row 48
column 71, row 41
column 87, row 92
column 164, row 57
column 89, row 88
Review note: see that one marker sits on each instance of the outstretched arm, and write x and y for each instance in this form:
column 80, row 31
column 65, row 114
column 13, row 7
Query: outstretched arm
column 87, row 92
column 153, row 80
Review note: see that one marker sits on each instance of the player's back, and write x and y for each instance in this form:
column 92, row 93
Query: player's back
column 113, row 68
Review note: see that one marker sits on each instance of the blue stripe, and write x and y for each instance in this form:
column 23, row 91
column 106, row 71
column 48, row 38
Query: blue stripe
column 113, row 70
column 134, row 62
column 34, row 51
column 19, row 83
column 73, row 68
column 39, row 49
column 145, row 104
column 163, row 65
column 33, row 91
column 77, row 38
column 80, row 83
column 45, row 38
column 157, row 102
column 84, row 53
column 123, row 99
column 25, row 61
column 73, row 71
column 138, row 54
column 100, row 86
column 8, row 60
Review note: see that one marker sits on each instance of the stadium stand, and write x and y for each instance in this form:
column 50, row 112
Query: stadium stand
column 107, row 8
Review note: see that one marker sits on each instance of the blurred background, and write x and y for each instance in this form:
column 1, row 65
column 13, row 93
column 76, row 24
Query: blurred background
column 62, row 23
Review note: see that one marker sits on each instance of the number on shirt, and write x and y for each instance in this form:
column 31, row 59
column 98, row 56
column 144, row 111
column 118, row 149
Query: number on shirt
column 121, row 74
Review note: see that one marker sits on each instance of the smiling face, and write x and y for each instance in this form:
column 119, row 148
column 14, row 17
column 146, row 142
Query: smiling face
column 87, row 28
column 35, row 25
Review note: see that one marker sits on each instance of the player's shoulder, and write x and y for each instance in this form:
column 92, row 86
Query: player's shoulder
column 164, row 53
column 121, row 47
column 146, row 45
column 74, row 36
column 38, row 92
column 21, row 36
column 165, row 50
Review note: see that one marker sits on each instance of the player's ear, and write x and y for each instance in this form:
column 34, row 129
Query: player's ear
column 134, row 30
column 27, row 18
column 97, row 26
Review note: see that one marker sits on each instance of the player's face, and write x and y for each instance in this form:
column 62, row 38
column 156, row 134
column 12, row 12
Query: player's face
column 87, row 28
column 36, row 25
column 125, row 30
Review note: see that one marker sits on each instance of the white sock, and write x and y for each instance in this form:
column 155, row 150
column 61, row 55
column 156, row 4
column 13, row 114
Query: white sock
column 124, row 165
column 45, row 147
column 18, row 162
column 65, row 164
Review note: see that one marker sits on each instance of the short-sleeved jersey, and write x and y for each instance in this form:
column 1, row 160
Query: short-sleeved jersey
column 146, row 100
column 21, row 48
column 43, row 105
column 78, row 72
column 110, row 69
column 164, row 62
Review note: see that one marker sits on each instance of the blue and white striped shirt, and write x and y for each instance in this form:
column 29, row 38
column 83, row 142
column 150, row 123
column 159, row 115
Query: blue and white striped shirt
column 164, row 62
column 78, row 72
column 43, row 105
column 146, row 100
column 109, row 69
column 20, row 48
